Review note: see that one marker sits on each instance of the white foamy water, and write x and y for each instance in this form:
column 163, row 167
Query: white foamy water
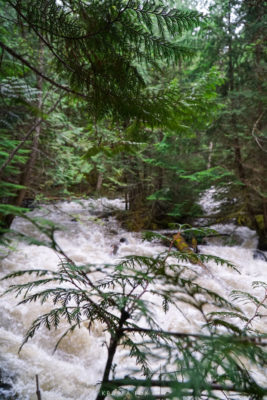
column 87, row 236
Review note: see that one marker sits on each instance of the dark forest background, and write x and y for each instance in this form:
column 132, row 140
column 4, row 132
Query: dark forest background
column 135, row 99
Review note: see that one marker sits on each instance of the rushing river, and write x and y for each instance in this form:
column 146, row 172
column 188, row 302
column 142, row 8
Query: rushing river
column 73, row 371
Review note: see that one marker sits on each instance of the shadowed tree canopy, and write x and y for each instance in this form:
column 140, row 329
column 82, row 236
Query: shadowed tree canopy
column 100, row 49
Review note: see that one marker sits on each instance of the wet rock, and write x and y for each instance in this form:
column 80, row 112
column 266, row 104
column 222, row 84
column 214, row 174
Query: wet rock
column 259, row 255
column 116, row 246
column 7, row 391
column 115, row 249
column 28, row 203
column 102, row 214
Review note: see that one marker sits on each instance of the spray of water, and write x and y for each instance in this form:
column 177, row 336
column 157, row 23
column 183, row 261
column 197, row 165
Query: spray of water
column 88, row 235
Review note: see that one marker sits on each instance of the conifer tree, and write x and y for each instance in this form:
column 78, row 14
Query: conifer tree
column 96, row 47
column 234, row 37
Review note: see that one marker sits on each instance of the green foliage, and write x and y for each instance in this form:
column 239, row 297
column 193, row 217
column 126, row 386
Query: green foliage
column 232, row 39
column 205, row 363
column 16, row 97
column 98, row 47
column 107, row 53
column 212, row 175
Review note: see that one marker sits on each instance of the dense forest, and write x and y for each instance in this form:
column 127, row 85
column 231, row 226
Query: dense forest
column 149, row 103
column 152, row 102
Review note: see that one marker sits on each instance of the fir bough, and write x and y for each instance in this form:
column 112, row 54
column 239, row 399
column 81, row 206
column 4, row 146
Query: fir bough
column 99, row 47
column 186, row 365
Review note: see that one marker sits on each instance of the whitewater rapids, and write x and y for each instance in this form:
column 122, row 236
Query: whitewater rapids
column 74, row 370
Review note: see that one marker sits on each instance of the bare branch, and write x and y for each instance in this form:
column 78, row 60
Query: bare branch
column 253, row 133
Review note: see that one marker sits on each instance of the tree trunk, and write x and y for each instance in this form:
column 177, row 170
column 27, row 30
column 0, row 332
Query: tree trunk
column 99, row 181
column 210, row 154
column 114, row 342
column 236, row 142
column 27, row 173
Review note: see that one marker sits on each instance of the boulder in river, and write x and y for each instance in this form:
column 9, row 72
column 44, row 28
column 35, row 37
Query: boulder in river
column 6, row 389
column 259, row 255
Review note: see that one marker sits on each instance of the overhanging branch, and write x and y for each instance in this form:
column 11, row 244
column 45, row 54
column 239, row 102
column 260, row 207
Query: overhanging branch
column 54, row 83
column 236, row 339
column 181, row 385
column 50, row 47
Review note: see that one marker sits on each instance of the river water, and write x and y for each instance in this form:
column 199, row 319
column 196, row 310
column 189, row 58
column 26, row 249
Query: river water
column 73, row 371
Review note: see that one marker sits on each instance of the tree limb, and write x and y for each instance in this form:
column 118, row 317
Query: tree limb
column 182, row 385
column 257, row 140
column 240, row 339
column 50, row 47
column 54, row 83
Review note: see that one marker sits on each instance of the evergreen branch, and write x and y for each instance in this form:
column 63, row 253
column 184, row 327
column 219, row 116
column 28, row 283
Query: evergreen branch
column 141, row 356
column 183, row 385
column 160, row 46
column 53, row 317
column 261, row 303
column 193, row 289
column 38, row 272
column 26, row 137
column 62, row 18
column 50, row 80
column 257, row 341
column 58, row 22
column 173, row 18
column 247, row 298
column 71, row 329
column 50, row 47
column 231, row 327
column 51, row 16
column 121, row 292
column 204, row 258
column 230, row 314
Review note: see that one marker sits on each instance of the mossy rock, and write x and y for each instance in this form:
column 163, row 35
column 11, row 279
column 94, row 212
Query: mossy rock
column 260, row 221
column 134, row 221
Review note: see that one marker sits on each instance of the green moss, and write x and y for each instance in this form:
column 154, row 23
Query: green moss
column 260, row 221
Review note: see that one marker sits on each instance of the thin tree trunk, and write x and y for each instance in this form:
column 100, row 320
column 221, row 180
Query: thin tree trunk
column 237, row 146
column 99, row 181
column 260, row 80
column 126, row 200
column 210, row 154
column 38, row 393
column 27, row 174
column 160, row 169
column 265, row 214
column 114, row 342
